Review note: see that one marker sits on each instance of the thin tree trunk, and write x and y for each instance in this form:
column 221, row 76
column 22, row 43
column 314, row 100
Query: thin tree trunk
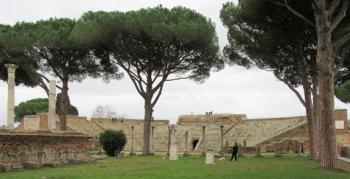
column 316, row 116
column 64, row 106
column 309, row 113
column 325, row 65
column 147, row 124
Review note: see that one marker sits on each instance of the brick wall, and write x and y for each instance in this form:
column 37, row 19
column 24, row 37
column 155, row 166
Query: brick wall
column 20, row 149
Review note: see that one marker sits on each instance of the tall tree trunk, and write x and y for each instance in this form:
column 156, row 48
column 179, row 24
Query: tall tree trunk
column 64, row 106
column 316, row 117
column 147, row 124
column 309, row 113
column 325, row 65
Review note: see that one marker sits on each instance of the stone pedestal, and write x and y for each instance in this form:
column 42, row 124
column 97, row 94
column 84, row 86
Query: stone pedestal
column 209, row 157
column 204, row 142
column 132, row 150
column 222, row 140
column 173, row 152
column 31, row 122
column 152, row 141
column 300, row 148
column 173, row 136
column 169, row 139
column 257, row 152
column 52, row 106
column 11, row 70
column 186, row 143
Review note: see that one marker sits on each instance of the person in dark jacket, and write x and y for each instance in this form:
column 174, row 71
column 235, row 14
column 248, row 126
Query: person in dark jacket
column 234, row 151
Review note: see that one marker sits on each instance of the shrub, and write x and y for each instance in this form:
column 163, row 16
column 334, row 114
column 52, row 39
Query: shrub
column 112, row 141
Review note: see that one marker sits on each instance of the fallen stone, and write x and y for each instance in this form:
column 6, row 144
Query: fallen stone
column 17, row 166
column 5, row 167
column 31, row 165
column 119, row 155
column 53, row 164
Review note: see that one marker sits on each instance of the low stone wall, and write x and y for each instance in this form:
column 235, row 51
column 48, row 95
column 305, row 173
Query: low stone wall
column 32, row 149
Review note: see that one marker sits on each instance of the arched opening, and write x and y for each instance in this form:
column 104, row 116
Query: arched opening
column 194, row 143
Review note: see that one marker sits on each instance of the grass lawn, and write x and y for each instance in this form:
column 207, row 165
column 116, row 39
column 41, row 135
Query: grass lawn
column 292, row 167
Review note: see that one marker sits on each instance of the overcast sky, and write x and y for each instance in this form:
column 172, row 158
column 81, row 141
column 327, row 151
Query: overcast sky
column 233, row 90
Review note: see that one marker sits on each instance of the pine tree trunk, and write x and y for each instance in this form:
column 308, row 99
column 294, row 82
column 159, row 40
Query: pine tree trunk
column 147, row 124
column 316, row 124
column 64, row 106
column 325, row 65
column 309, row 115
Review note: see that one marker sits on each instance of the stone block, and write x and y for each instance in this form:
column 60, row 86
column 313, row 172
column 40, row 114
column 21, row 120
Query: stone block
column 31, row 165
column 17, row 166
column 52, row 164
column 209, row 157
column 5, row 167
column 173, row 152
column 119, row 155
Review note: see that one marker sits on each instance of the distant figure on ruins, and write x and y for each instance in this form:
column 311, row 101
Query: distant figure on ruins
column 234, row 151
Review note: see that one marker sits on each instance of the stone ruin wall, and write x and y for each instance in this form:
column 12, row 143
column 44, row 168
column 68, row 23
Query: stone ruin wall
column 160, row 132
column 194, row 127
column 32, row 149
column 212, row 137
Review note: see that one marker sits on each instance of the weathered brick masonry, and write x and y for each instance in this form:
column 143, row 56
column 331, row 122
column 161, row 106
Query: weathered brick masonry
column 32, row 149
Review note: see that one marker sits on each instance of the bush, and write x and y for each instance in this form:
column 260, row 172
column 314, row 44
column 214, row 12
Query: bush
column 112, row 141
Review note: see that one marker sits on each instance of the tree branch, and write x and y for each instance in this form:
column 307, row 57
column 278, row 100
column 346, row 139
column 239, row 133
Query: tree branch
column 286, row 5
column 181, row 78
column 43, row 55
column 340, row 15
column 135, row 81
column 292, row 88
column 333, row 6
column 341, row 41
column 6, row 54
column 48, row 81
column 44, row 86
column 158, row 95
column 320, row 5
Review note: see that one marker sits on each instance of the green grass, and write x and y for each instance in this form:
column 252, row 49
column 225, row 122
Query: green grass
column 285, row 167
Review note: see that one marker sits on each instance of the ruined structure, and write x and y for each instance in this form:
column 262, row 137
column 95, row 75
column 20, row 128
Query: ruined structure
column 32, row 149
column 197, row 133
column 31, row 146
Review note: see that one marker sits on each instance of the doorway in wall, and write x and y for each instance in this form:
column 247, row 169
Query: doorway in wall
column 194, row 143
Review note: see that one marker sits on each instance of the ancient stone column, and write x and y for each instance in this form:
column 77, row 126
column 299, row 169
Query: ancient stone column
column 169, row 139
column 52, row 106
column 222, row 139
column 152, row 140
column 132, row 150
column 186, row 143
column 300, row 148
column 204, row 142
column 173, row 136
column 173, row 153
column 11, row 69
column 257, row 151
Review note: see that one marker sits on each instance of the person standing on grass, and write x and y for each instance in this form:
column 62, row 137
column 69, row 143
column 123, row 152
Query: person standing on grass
column 234, row 151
